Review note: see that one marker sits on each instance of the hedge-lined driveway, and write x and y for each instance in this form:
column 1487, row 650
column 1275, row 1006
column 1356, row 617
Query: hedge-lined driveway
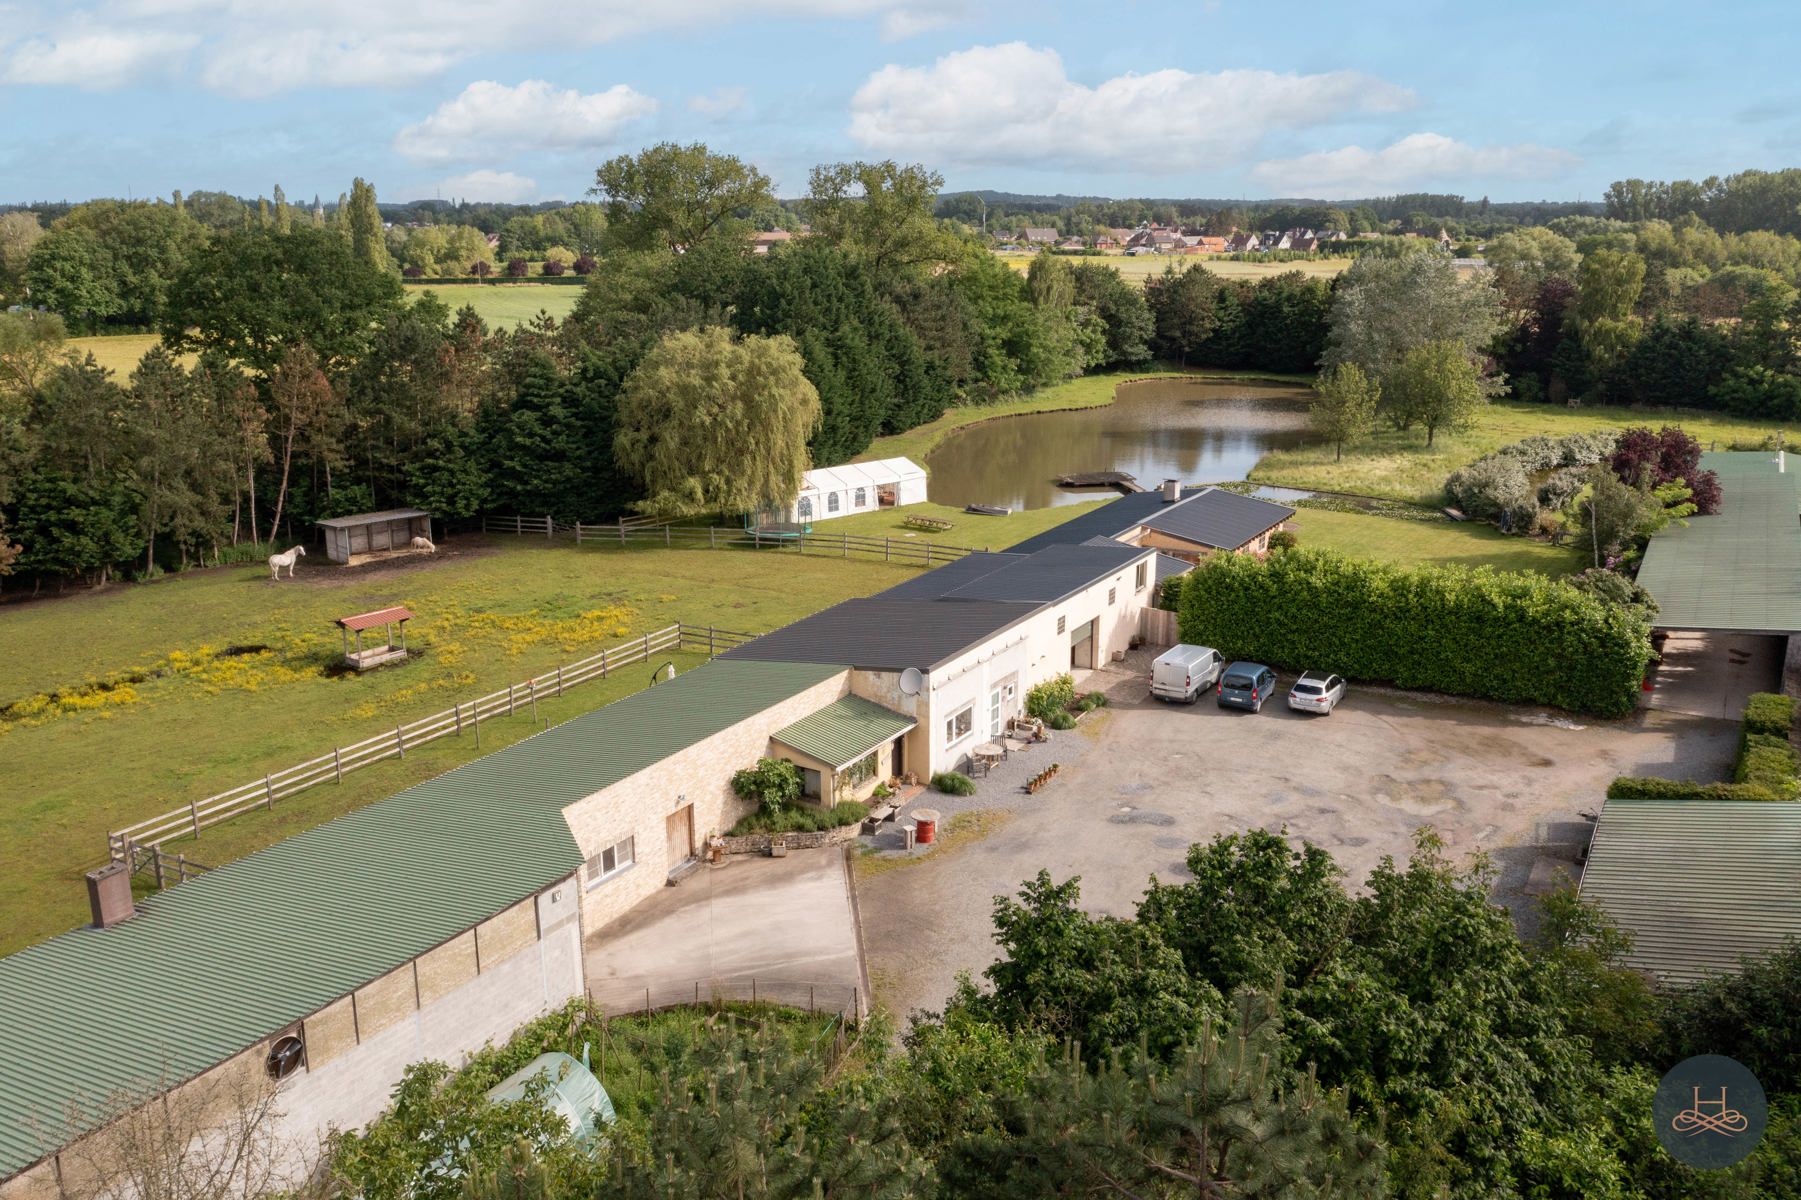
column 1360, row 783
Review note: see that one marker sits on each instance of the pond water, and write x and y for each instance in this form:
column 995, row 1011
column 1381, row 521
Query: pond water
column 1195, row 430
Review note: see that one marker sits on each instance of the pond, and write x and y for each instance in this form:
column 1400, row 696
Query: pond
column 1195, row 430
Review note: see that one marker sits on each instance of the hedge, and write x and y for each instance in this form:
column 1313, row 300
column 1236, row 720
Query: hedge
column 1514, row 637
column 1767, row 712
column 1649, row 787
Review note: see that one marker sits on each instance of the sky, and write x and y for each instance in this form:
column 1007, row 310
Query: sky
column 519, row 100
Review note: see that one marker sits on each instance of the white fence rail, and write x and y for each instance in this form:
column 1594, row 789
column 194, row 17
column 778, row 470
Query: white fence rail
column 128, row 844
column 914, row 551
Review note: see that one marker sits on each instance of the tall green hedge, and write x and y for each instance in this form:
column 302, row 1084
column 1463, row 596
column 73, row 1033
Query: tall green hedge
column 1467, row 632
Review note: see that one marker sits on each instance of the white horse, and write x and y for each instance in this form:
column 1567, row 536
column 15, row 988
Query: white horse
column 425, row 544
column 278, row 561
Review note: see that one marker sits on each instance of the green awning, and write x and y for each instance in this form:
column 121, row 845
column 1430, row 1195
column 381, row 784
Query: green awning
column 843, row 732
column 1740, row 570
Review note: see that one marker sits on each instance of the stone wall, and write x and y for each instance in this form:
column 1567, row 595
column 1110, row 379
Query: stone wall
column 758, row 843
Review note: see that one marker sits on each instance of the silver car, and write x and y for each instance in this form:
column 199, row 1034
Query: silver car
column 1316, row 692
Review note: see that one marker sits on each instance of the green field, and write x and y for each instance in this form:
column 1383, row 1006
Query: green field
column 1144, row 266
column 1400, row 467
column 118, row 353
column 490, row 612
column 505, row 305
column 1444, row 543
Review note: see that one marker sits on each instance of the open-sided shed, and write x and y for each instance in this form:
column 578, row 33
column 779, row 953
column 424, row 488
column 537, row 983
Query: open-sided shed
column 362, row 536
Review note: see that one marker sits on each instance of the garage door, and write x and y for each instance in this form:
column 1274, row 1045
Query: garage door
column 1081, row 645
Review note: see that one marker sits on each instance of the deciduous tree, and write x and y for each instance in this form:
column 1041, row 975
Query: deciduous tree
column 1435, row 385
column 879, row 213
column 1386, row 307
column 1344, row 406
column 677, row 196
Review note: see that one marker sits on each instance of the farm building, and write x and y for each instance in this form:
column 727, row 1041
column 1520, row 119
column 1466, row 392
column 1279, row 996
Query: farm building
column 441, row 918
column 1184, row 523
column 363, row 536
column 828, row 492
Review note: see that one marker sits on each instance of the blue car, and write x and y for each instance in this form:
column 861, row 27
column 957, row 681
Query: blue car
column 1246, row 685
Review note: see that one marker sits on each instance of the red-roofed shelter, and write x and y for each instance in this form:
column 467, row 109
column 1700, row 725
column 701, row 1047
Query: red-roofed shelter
column 390, row 619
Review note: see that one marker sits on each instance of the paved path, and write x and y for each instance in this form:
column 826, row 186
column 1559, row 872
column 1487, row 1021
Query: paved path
column 1712, row 674
column 789, row 924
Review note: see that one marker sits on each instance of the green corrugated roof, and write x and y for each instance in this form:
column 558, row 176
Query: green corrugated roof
column 215, row 965
column 845, row 731
column 1698, row 883
column 1739, row 570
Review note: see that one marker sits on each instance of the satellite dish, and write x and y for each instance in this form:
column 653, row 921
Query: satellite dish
column 911, row 680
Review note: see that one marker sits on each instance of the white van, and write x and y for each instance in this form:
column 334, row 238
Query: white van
column 1184, row 672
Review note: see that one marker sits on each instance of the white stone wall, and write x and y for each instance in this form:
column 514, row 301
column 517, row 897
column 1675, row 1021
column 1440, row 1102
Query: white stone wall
column 639, row 805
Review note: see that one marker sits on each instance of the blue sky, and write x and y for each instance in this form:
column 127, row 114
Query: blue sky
column 520, row 99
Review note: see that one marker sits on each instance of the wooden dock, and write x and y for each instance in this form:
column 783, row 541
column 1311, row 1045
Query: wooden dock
column 1118, row 480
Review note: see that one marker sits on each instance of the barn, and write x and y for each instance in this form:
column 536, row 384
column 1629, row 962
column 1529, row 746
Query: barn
column 363, row 536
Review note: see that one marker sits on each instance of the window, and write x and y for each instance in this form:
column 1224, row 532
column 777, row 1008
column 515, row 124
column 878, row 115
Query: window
column 857, row 501
column 958, row 727
column 1061, row 621
column 831, row 502
column 611, row 861
column 806, row 508
column 861, row 771
column 1143, row 570
column 1112, row 596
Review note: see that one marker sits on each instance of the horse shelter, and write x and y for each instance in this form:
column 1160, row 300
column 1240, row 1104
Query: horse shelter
column 390, row 620
column 363, row 537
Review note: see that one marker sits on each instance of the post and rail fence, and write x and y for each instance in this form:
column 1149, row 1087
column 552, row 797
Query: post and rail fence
column 634, row 531
column 140, row 844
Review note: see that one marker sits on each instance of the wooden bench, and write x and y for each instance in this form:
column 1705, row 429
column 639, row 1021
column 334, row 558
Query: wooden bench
column 935, row 524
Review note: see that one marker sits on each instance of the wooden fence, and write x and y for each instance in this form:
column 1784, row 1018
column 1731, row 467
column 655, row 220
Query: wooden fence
column 132, row 843
column 167, row 869
column 641, row 532
column 1157, row 627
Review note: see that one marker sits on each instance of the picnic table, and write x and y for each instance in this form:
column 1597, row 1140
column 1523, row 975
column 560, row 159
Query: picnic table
column 984, row 757
column 936, row 524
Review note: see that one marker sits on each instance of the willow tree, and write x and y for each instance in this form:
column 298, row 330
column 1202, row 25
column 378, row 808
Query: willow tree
column 710, row 423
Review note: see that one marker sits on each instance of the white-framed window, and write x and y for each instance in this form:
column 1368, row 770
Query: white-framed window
column 610, row 862
column 805, row 508
column 831, row 502
column 857, row 501
column 1112, row 596
column 1062, row 622
column 1143, row 572
column 959, row 725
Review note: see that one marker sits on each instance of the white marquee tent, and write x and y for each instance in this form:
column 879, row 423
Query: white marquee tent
column 827, row 492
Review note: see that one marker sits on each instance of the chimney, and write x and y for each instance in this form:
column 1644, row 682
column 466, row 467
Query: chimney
column 109, row 895
column 1172, row 490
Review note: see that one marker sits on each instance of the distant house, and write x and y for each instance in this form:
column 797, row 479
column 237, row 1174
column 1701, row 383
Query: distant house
column 1038, row 236
column 1074, row 243
column 1244, row 243
column 1304, row 242
column 763, row 242
column 1106, row 241
column 1334, row 235
column 1275, row 240
column 1212, row 245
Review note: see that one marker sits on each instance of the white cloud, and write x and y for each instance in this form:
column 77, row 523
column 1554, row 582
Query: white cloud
column 489, row 118
column 1415, row 160
column 1014, row 104
column 719, row 102
column 95, row 59
column 255, row 48
column 499, row 187
column 902, row 23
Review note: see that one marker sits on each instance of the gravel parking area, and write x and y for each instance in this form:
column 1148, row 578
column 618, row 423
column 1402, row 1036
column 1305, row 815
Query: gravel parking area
column 1143, row 780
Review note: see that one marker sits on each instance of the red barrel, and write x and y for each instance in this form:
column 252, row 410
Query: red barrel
column 925, row 820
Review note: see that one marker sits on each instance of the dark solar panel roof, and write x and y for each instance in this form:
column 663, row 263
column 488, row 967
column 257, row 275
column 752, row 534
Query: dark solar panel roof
column 1050, row 574
column 1220, row 519
column 929, row 585
column 885, row 634
column 1109, row 520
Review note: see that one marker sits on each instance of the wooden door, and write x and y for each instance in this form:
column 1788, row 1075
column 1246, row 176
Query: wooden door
column 680, row 829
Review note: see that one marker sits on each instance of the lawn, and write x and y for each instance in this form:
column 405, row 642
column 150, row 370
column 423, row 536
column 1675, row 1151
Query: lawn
column 490, row 612
column 504, row 305
column 1442, row 543
column 967, row 529
column 1143, row 266
column 118, row 353
column 1088, row 391
column 1399, row 465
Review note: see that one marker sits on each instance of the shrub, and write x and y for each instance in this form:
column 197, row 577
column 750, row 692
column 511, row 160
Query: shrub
column 517, row 267
column 1650, row 787
column 1614, row 588
column 1767, row 712
column 553, row 266
column 1061, row 719
column 953, row 783
column 773, row 784
column 802, row 818
column 1169, row 593
column 584, row 265
column 1506, row 636
column 1051, row 697
column 1283, row 539
column 1499, row 486
column 1768, row 761
column 1664, row 457
column 413, row 272
column 1091, row 701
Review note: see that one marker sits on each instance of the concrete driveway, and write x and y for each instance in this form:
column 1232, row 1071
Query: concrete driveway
column 780, row 929
column 1508, row 781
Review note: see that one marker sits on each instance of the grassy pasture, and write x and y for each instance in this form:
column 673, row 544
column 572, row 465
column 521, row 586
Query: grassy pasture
column 1440, row 543
column 194, row 721
column 504, row 305
column 1399, row 466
